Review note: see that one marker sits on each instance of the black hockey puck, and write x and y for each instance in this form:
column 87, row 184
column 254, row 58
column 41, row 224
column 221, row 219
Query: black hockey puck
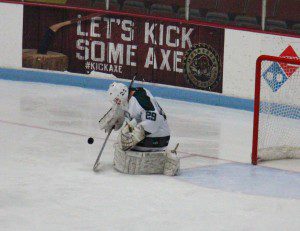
column 90, row 140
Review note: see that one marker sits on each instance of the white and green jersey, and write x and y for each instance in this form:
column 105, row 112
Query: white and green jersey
column 144, row 108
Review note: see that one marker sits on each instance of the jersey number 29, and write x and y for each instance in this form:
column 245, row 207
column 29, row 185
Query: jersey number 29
column 150, row 115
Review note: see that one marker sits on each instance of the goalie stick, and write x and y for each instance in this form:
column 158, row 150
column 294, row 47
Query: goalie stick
column 97, row 162
column 131, row 84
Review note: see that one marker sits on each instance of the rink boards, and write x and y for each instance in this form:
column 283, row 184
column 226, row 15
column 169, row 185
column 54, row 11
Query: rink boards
column 240, row 51
column 102, row 83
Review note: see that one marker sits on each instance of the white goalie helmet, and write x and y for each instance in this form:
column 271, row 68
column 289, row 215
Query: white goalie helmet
column 118, row 94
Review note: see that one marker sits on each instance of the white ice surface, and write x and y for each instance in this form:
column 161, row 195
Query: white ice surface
column 46, row 181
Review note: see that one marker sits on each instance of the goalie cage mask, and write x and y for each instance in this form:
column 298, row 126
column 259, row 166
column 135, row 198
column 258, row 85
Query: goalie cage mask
column 118, row 94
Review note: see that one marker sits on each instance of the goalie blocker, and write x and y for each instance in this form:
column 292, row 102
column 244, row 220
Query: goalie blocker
column 144, row 135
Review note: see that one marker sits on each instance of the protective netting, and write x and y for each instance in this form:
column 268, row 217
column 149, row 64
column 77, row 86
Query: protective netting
column 279, row 112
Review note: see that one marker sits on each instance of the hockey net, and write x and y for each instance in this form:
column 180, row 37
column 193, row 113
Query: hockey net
column 276, row 129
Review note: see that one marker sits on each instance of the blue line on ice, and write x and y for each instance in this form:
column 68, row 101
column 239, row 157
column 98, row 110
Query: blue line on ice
column 245, row 178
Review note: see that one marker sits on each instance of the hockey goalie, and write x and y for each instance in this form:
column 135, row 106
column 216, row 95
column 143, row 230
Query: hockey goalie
column 143, row 132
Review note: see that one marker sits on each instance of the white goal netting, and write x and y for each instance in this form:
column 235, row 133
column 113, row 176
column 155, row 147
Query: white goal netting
column 278, row 133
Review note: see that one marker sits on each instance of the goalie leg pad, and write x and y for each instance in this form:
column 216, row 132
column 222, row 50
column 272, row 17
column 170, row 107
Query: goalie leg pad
column 135, row 163
column 132, row 162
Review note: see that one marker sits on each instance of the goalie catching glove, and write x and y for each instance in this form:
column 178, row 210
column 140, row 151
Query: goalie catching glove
column 114, row 118
column 130, row 135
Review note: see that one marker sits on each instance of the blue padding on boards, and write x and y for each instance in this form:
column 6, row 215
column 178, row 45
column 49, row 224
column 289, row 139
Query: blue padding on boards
column 163, row 91
column 247, row 179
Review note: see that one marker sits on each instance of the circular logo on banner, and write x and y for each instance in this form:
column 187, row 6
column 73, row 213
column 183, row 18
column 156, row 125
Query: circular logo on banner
column 202, row 67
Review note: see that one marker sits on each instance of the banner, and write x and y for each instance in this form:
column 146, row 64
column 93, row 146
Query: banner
column 160, row 51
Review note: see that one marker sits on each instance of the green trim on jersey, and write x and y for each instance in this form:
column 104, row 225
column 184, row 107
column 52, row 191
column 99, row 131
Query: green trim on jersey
column 144, row 100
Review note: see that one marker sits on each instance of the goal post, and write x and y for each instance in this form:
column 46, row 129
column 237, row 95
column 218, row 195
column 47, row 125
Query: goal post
column 276, row 123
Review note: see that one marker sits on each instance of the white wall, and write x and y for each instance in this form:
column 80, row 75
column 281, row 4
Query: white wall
column 241, row 50
column 11, row 30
